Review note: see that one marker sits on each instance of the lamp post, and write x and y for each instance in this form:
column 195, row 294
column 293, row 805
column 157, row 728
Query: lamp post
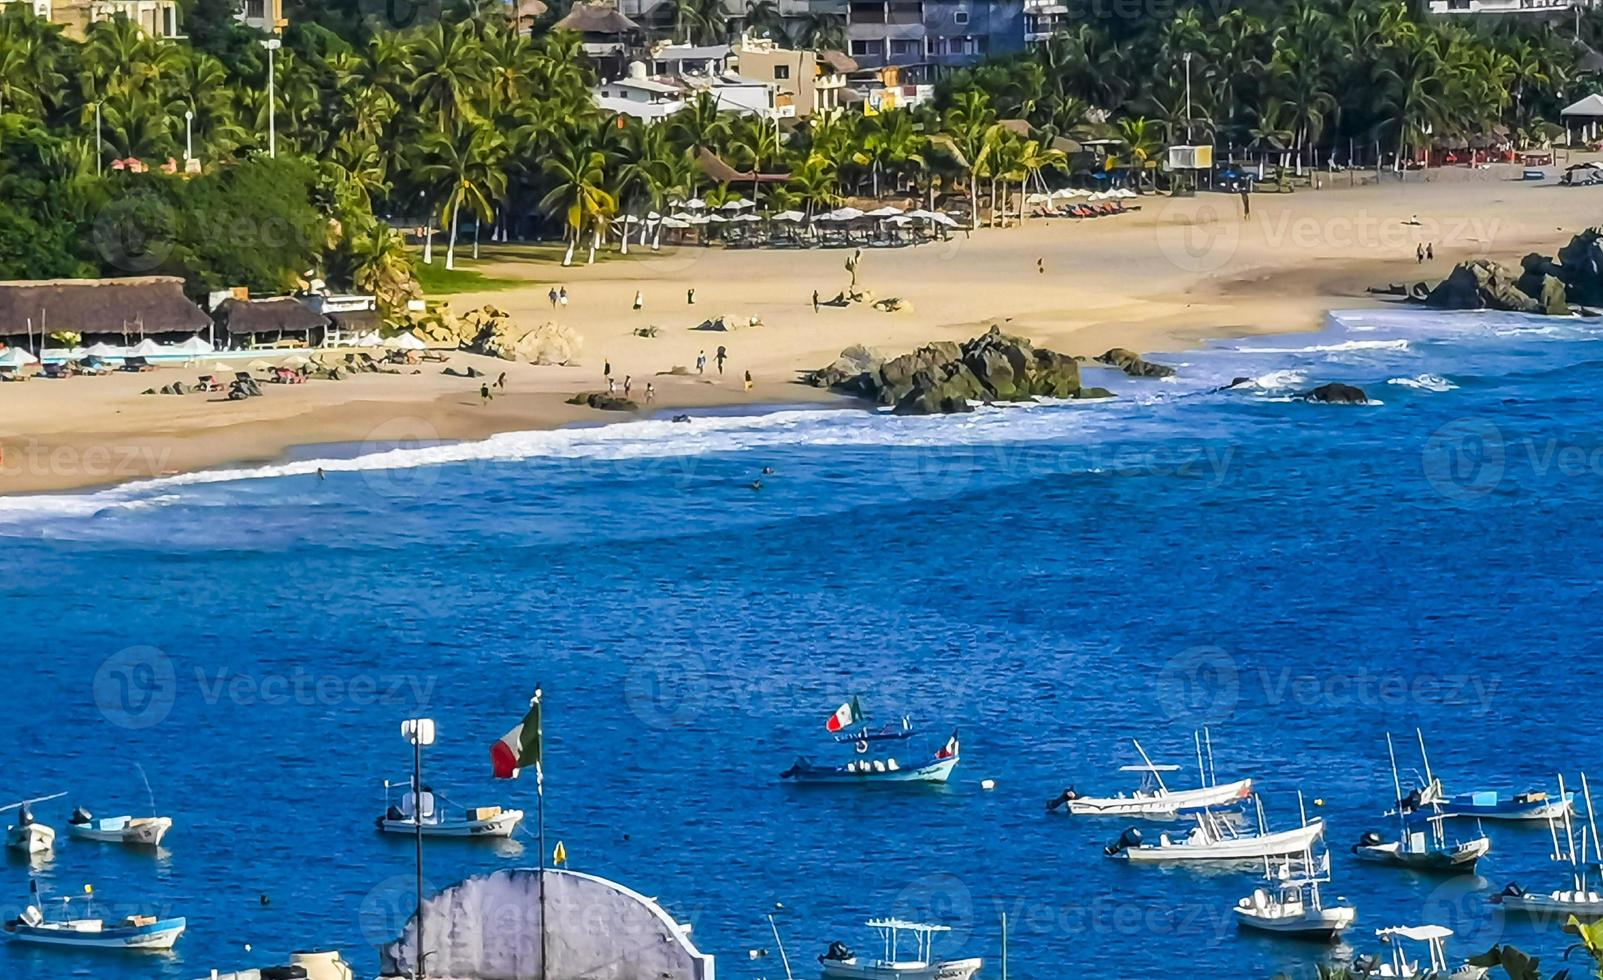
column 271, row 44
column 189, row 137
column 1187, row 57
column 100, row 157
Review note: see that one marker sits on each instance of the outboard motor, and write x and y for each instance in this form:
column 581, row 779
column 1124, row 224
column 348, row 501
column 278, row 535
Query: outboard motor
column 1512, row 891
column 838, row 952
column 1130, row 838
column 79, row 816
column 24, row 816
column 1370, row 839
column 1365, row 965
column 1063, row 799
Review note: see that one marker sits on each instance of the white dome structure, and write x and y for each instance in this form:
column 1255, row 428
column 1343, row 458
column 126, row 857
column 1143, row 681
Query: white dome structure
column 489, row 928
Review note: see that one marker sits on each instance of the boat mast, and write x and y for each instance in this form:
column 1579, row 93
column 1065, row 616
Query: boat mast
column 1569, row 829
column 1430, row 778
column 1004, row 946
column 1207, row 740
column 1150, row 767
column 1202, row 771
column 783, row 958
column 1397, row 787
column 1552, row 824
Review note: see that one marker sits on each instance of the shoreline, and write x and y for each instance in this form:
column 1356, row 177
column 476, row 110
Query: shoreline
column 1165, row 279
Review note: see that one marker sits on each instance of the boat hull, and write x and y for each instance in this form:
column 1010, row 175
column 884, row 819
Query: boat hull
column 1457, row 859
column 1508, row 810
column 1161, row 805
column 874, row 970
column 1284, row 843
column 31, row 839
column 155, row 936
column 937, row 772
column 1559, row 905
column 145, row 832
column 1314, row 924
column 500, row 825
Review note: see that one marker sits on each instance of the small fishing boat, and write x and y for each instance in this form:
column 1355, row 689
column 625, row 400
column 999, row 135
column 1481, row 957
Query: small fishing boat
column 1491, row 804
column 28, row 835
column 840, row 963
column 142, row 932
column 1580, row 899
column 477, row 821
column 874, row 762
column 132, row 831
column 1422, row 843
column 1395, row 964
column 1218, row 838
column 1289, row 903
column 1152, row 798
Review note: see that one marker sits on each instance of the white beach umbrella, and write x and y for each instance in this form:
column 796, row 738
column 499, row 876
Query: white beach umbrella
column 653, row 216
column 682, row 216
column 900, row 220
column 695, row 203
column 716, row 217
column 145, row 348
column 103, row 350
column 748, row 216
column 790, row 216
column 675, row 223
column 1038, row 199
column 194, row 347
column 696, row 219
column 405, row 341
column 883, row 212
column 738, row 204
column 16, row 357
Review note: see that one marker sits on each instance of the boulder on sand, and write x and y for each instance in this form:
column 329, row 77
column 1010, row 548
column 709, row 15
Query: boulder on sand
column 727, row 322
column 1134, row 364
column 548, row 343
column 1336, row 393
column 893, row 304
column 946, row 376
column 604, row 401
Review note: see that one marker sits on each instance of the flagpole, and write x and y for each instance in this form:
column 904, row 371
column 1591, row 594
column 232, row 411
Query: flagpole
column 539, row 792
column 417, row 835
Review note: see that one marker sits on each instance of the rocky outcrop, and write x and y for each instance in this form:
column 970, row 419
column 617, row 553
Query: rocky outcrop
column 1134, row 364
column 946, row 376
column 603, row 401
column 496, row 335
column 1336, row 393
column 727, row 322
column 1482, row 284
column 893, row 304
column 1580, row 266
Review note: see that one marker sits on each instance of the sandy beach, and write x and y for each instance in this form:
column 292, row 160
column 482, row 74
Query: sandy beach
column 1164, row 278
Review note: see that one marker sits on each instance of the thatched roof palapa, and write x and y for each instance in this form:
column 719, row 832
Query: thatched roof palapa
column 838, row 61
column 720, row 172
column 139, row 304
column 279, row 314
column 596, row 18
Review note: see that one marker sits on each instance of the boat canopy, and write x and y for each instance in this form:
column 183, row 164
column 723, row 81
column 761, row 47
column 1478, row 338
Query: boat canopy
column 1149, row 767
column 903, row 924
column 1419, row 934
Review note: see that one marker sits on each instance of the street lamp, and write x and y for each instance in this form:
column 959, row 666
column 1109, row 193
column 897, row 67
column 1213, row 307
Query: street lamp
column 100, row 157
column 189, row 137
column 1187, row 57
column 271, row 44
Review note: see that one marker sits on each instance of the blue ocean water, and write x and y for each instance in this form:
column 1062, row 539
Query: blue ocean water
column 240, row 647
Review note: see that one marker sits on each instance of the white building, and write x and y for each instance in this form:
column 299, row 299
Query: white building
column 655, row 98
column 1510, row 6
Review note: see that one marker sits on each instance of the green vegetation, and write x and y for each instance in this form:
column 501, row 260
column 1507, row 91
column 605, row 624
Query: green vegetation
column 471, row 130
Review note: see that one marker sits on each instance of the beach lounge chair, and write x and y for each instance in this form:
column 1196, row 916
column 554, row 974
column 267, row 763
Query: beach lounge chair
column 8, row 373
column 58, row 369
column 209, row 382
column 137, row 364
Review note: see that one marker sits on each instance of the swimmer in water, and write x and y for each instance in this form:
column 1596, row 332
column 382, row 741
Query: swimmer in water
column 756, row 484
column 768, row 471
column 320, row 475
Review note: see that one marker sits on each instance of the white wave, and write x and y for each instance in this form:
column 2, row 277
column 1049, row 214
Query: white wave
column 1346, row 345
column 1275, row 380
column 1424, row 382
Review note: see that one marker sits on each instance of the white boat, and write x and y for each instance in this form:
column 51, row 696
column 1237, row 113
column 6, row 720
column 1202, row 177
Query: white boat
column 133, row 932
column 1289, row 903
column 132, row 831
column 1580, row 899
column 28, row 835
column 1395, row 964
column 1152, row 798
column 840, row 963
column 1218, row 838
column 1422, row 842
column 418, row 814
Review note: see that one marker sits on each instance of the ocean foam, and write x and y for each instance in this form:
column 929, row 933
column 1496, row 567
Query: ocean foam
column 1424, row 382
column 1346, row 345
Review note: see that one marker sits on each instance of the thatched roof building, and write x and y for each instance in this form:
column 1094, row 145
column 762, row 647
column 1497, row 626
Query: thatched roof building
column 141, row 305
column 276, row 315
column 716, row 170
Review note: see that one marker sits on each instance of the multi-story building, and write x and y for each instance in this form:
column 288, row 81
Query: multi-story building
column 1528, row 7
column 1044, row 18
column 926, row 36
column 158, row 18
column 264, row 15
column 815, row 81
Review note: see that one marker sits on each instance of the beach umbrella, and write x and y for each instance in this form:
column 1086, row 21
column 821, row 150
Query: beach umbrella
column 258, row 365
column 738, row 204
column 14, row 357
column 220, row 366
column 695, row 204
column 103, row 350
column 675, row 223
column 900, row 220
column 145, row 348
column 682, row 216
column 883, row 212
column 748, row 216
column 696, row 219
column 295, row 361
column 790, row 216
column 194, row 346
column 1038, row 199
column 405, row 341
column 653, row 216
column 715, row 217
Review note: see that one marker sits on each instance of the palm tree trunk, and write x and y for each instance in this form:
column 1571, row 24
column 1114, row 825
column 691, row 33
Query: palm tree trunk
column 476, row 224
column 625, row 237
column 595, row 243
column 567, row 258
column 450, row 245
column 428, row 243
column 973, row 201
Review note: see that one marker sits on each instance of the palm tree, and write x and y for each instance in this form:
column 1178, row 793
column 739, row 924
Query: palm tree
column 822, row 30
column 451, row 72
column 468, row 162
column 972, row 132
column 763, row 19
column 755, row 143
column 701, row 124
column 580, row 193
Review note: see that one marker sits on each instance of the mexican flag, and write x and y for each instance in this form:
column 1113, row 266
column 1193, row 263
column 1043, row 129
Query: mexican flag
column 949, row 750
column 849, row 713
column 519, row 748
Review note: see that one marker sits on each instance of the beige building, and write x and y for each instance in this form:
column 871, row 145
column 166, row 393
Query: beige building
column 264, row 15
column 158, row 18
column 814, row 81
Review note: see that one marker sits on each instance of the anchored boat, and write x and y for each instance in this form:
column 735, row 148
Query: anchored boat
column 28, row 835
column 840, row 963
column 1493, row 804
column 1152, row 798
column 875, row 760
column 418, row 813
column 132, row 831
column 1580, row 899
column 1395, row 964
column 1422, row 843
column 139, row 932
column 1289, row 902
column 1217, row 837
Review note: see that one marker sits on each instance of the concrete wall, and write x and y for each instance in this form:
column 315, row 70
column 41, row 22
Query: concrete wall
column 489, row 928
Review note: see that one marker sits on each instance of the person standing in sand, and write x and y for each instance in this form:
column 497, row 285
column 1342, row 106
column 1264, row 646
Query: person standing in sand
column 501, row 382
column 640, row 299
column 562, row 297
column 651, row 393
column 628, row 382
column 1430, row 251
column 1040, row 266
column 1419, row 253
column 553, row 296
column 721, row 356
column 701, row 362
column 815, row 301
column 690, row 296
column 606, row 367
column 748, row 380
column 484, row 394
column 1246, row 200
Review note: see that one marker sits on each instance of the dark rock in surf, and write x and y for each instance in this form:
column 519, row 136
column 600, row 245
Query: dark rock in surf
column 603, row 401
column 1482, row 284
column 1134, row 364
column 1336, row 393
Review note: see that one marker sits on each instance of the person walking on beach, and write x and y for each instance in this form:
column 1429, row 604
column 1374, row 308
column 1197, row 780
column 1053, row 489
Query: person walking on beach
column 1246, row 201
column 484, row 395
column 1419, row 253
column 701, row 362
column 815, row 301
column 553, row 296
column 640, row 299
column 562, row 297
column 1040, row 266
column 501, row 382
column 651, row 393
column 606, row 367
column 690, row 296
column 720, row 358
column 1430, row 251
column 628, row 383
column 612, row 387
column 748, row 380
